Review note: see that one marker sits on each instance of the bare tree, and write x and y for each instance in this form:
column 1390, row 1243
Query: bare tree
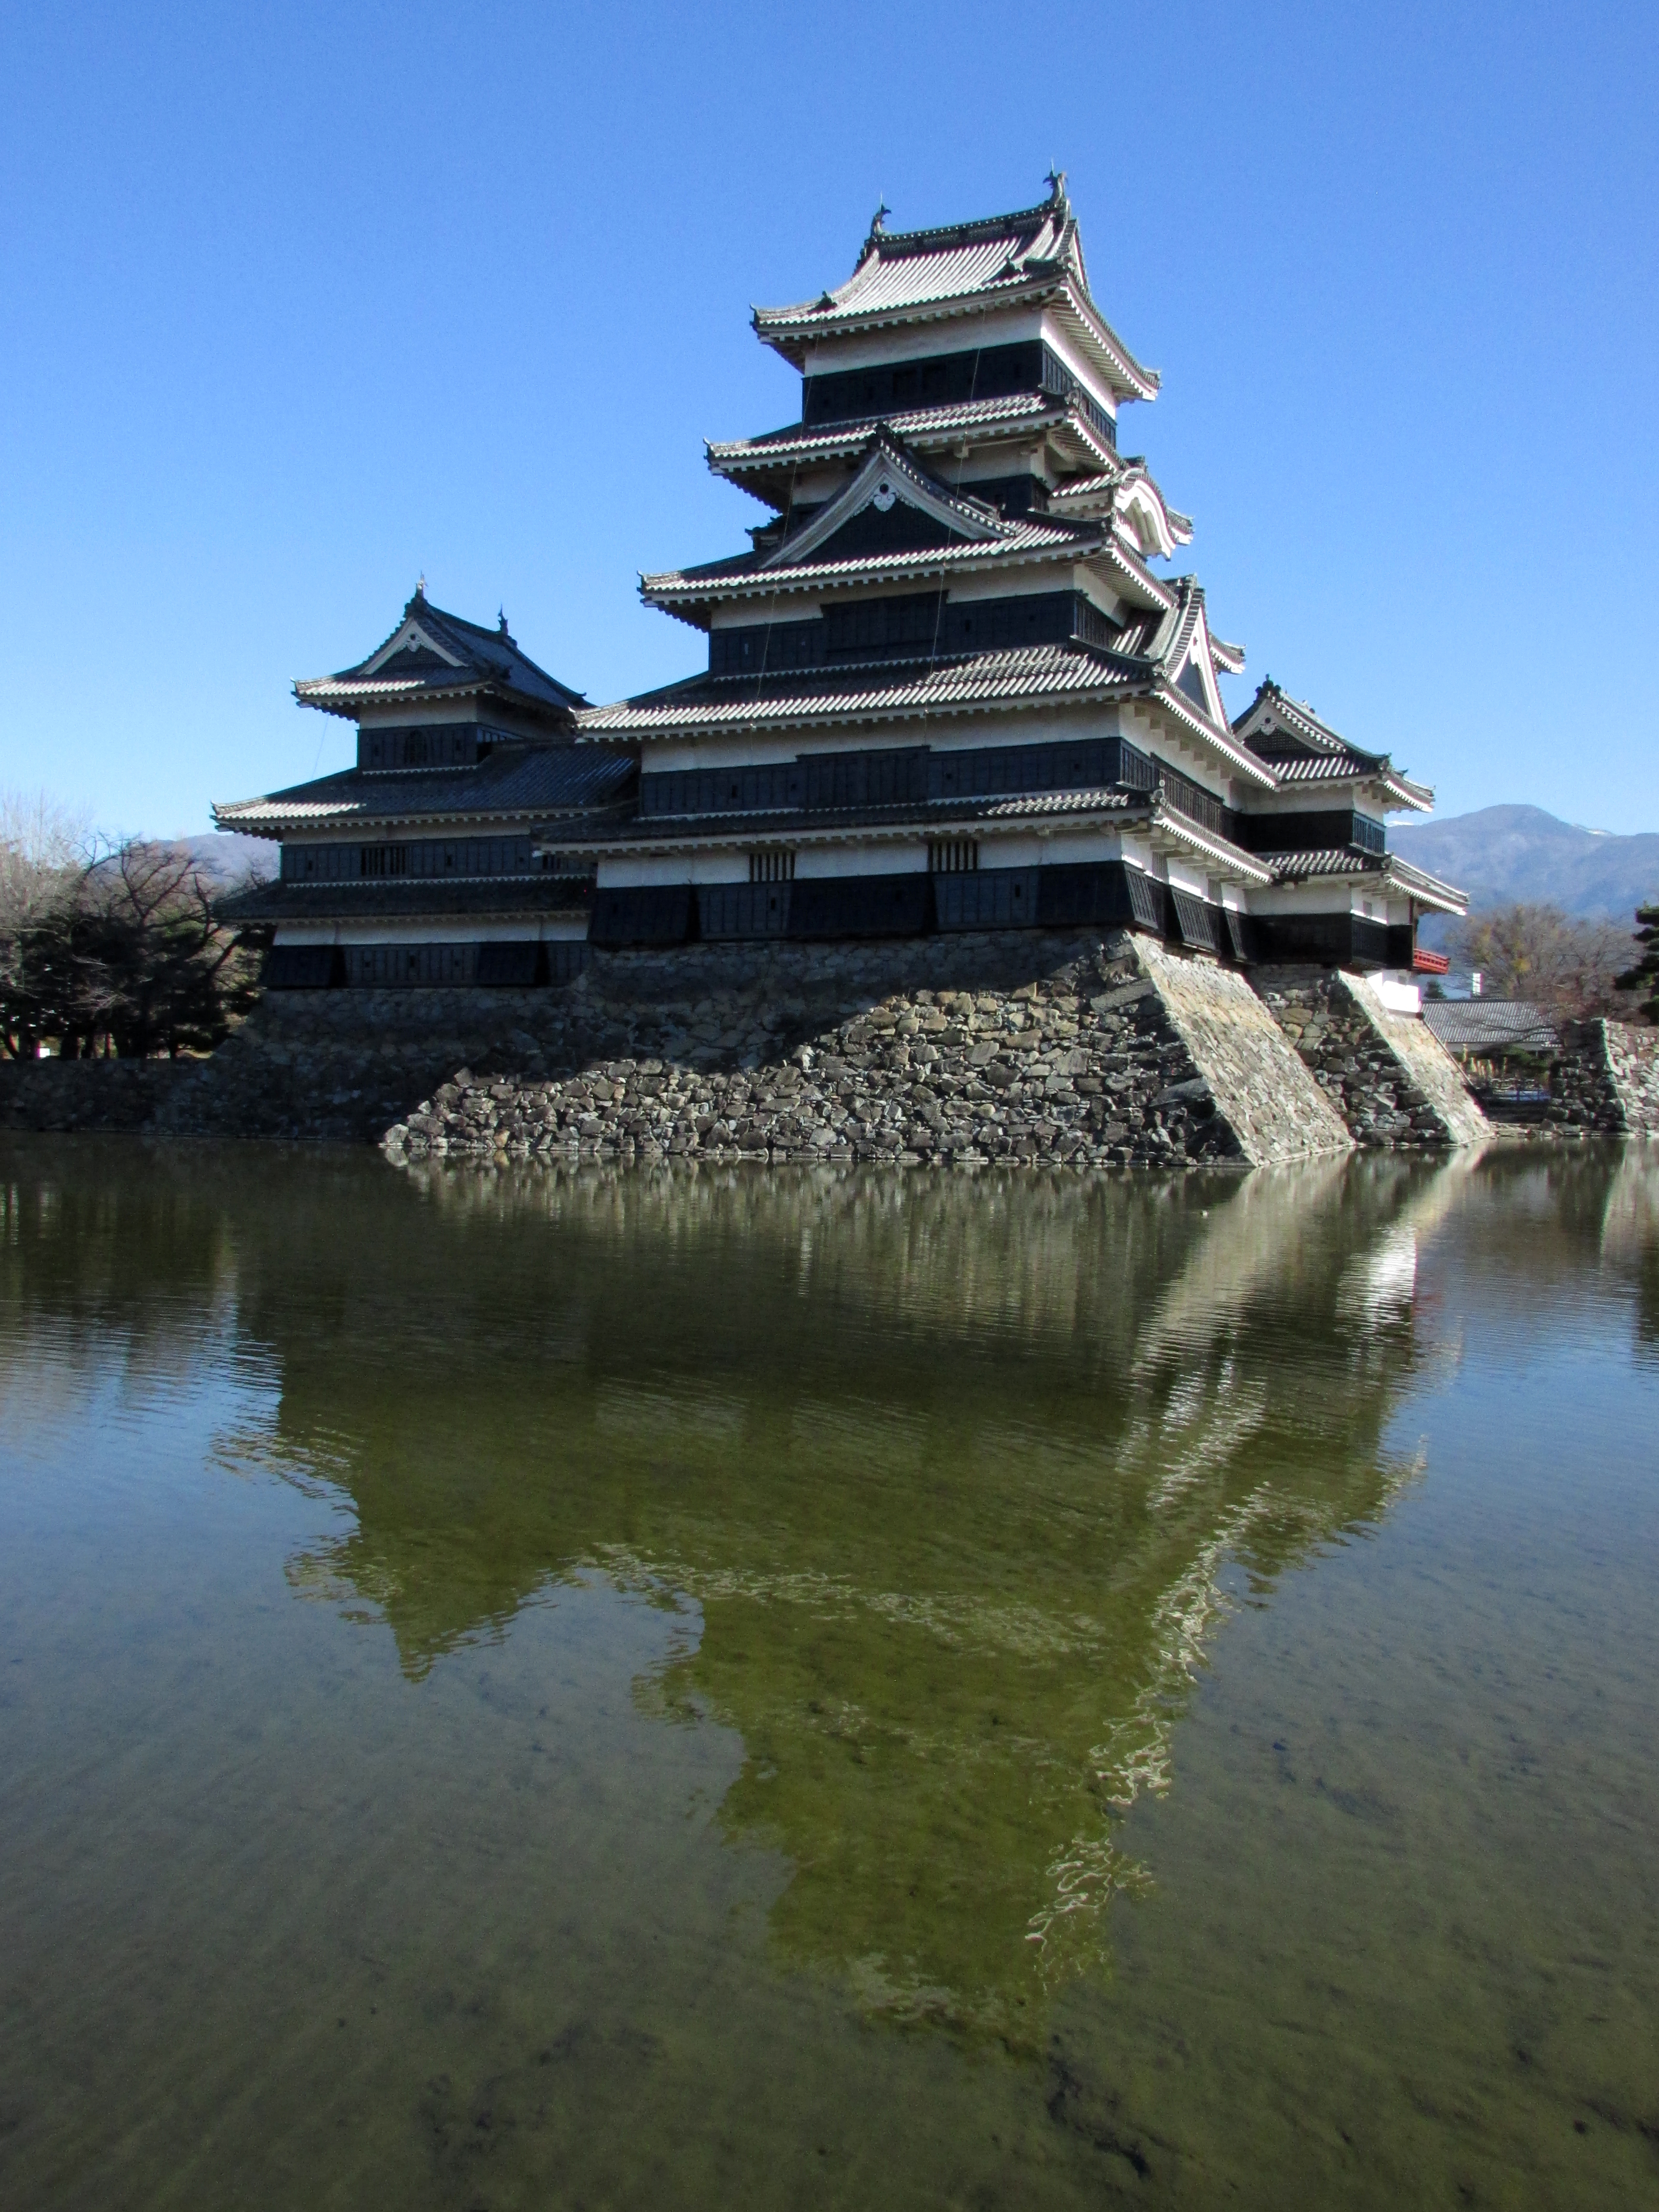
column 44, row 849
column 1569, row 963
column 41, row 845
column 122, row 951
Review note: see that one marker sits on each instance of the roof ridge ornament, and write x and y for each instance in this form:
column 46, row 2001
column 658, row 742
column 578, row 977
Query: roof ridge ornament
column 878, row 220
column 1055, row 181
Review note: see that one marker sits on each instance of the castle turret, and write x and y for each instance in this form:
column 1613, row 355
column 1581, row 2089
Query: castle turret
column 433, row 860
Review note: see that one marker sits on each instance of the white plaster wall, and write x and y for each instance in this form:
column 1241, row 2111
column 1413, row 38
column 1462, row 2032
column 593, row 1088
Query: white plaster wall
column 1179, row 747
column 903, row 857
column 991, row 464
column 725, row 864
column 1186, row 876
column 1025, row 848
column 1309, row 898
column 748, row 614
column 1018, row 583
column 961, row 334
column 435, row 929
column 1028, row 726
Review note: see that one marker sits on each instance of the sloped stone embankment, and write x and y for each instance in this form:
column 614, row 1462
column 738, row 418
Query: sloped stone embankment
column 1388, row 1076
column 1608, row 1078
column 1019, row 1048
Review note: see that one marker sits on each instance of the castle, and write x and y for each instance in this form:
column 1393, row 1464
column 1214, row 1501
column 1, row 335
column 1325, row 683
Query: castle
column 947, row 690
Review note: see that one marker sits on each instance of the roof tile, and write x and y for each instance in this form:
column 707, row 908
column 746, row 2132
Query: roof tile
column 705, row 702
column 531, row 779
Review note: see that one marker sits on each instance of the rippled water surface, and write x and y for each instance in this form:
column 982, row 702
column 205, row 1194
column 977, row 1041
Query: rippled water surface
column 743, row 1688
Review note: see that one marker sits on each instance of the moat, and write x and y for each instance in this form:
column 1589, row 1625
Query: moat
column 568, row 1686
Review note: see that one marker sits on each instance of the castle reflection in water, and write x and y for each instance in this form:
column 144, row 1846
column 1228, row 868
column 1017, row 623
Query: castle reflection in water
column 949, row 1483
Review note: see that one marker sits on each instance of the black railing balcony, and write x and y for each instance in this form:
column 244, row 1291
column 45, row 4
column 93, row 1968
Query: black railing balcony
column 1191, row 799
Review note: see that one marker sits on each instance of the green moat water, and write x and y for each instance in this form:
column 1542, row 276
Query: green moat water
column 746, row 1688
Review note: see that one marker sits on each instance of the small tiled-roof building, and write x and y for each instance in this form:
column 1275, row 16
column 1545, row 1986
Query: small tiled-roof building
column 435, row 859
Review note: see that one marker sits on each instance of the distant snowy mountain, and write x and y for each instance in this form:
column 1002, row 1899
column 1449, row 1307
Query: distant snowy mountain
column 1502, row 854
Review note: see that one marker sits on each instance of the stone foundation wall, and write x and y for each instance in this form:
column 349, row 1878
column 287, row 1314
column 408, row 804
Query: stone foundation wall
column 1021, row 1046
column 341, row 1065
column 1606, row 1080
column 67, row 1095
column 1388, row 1076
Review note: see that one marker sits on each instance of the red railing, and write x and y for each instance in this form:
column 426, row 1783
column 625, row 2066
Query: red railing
column 1429, row 963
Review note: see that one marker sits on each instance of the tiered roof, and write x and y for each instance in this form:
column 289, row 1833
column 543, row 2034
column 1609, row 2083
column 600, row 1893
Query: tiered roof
column 894, row 522
column 1302, row 750
column 1032, row 259
column 539, row 782
column 967, row 535
column 1386, row 871
column 435, row 658
column 1147, row 659
column 768, row 465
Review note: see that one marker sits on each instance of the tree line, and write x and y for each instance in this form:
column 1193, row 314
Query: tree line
column 1574, row 966
column 112, row 946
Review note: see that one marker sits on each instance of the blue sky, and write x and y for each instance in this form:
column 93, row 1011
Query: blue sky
column 298, row 301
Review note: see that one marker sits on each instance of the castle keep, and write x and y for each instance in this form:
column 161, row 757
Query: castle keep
column 947, row 690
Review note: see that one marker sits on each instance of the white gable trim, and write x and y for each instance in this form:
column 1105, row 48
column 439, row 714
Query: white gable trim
column 1139, row 506
column 884, row 479
column 1199, row 657
column 411, row 633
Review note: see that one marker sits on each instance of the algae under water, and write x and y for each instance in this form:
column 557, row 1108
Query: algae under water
column 740, row 1687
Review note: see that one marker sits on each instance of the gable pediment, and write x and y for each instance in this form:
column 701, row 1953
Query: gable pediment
column 1198, row 678
column 891, row 504
column 1188, row 662
column 412, row 647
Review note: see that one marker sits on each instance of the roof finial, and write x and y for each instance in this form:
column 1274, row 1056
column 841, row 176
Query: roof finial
column 501, row 622
column 878, row 220
column 420, row 585
column 1055, row 181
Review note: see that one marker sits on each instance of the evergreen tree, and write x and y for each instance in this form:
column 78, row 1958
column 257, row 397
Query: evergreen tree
column 1644, row 975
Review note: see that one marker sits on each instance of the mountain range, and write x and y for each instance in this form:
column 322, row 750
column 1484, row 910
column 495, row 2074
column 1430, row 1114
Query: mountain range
column 1504, row 854
column 226, row 858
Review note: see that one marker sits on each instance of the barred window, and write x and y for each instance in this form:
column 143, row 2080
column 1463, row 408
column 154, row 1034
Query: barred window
column 957, row 856
column 774, row 868
column 383, row 859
